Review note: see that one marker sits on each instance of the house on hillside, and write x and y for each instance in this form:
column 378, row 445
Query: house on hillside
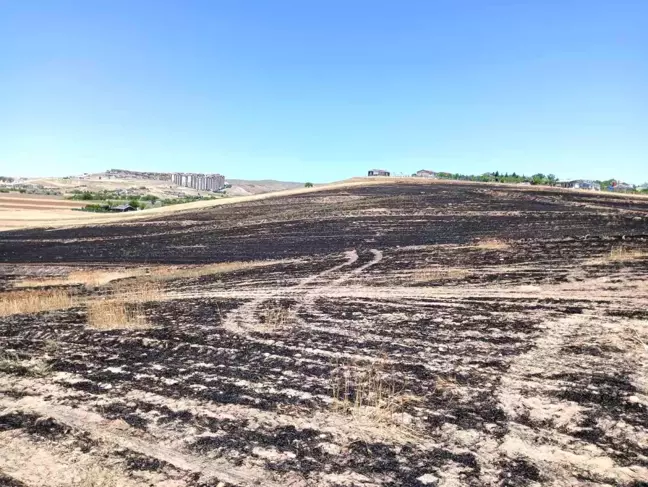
column 580, row 184
column 378, row 172
column 621, row 187
column 122, row 208
column 424, row 173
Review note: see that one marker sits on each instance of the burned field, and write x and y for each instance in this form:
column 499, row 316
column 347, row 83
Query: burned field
column 388, row 335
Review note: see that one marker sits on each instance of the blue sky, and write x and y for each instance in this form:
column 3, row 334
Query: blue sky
column 323, row 90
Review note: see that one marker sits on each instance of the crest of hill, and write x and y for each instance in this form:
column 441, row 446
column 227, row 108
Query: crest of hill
column 241, row 187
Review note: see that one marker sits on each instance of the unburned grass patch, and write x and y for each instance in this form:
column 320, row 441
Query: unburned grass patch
column 139, row 291
column 491, row 244
column 164, row 273
column 102, row 277
column 276, row 316
column 115, row 314
column 625, row 254
column 34, row 301
column 371, row 394
column 432, row 274
column 13, row 364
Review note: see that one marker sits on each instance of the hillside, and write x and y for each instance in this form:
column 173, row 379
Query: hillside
column 385, row 334
column 160, row 188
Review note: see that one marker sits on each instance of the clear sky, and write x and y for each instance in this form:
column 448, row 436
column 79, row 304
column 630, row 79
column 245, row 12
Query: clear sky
column 322, row 90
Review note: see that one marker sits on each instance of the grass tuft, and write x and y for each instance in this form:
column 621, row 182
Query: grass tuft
column 370, row 391
column 116, row 314
column 619, row 254
column 491, row 244
column 275, row 316
column 12, row 364
column 30, row 301
column 438, row 274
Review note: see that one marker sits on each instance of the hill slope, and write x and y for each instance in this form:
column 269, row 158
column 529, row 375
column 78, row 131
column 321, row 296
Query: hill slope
column 373, row 335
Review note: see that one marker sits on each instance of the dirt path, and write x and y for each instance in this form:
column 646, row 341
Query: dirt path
column 121, row 435
column 242, row 320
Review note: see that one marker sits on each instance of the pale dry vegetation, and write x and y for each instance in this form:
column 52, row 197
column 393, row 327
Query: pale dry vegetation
column 170, row 273
column 438, row 274
column 491, row 244
column 102, row 277
column 113, row 314
column 12, row 364
column 30, row 301
column 624, row 254
column 90, row 278
column 274, row 317
column 370, row 392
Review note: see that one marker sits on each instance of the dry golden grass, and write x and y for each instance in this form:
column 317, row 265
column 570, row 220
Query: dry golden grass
column 92, row 278
column 101, row 277
column 169, row 273
column 115, row 314
column 623, row 254
column 137, row 291
column 370, row 392
column 446, row 387
column 34, row 301
column 491, row 244
column 438, row 274
column 274, row 317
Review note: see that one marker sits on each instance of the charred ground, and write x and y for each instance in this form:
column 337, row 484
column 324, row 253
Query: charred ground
column 511, row 324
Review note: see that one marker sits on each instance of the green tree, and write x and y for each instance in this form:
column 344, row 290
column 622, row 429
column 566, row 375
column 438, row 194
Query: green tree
column 308, row 185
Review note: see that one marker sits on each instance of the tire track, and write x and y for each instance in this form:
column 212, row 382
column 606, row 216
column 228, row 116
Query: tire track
column 242, row 319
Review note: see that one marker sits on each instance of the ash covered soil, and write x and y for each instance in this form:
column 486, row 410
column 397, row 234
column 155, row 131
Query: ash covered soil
column 503, row 333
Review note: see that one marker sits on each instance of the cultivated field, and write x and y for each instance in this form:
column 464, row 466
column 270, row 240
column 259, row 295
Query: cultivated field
column 380, row 335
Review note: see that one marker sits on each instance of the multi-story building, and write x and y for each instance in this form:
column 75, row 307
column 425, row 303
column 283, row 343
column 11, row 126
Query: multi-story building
column 202, row 182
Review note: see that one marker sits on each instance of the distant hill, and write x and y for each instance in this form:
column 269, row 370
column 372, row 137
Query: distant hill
column 152, row 183
column 241, row 187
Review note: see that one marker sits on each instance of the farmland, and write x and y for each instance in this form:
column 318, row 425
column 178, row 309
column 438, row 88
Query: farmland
column 380, row 335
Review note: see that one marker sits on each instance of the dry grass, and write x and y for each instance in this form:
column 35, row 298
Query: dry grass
column 12, row 364
column 624, row 254
column 96, row 476
column 274, row 316
column 438, row 274
column 137, row 291
column 30, row 301
column 371, row 392
column 491, row 244
column 89, row 278
column 102, row 277
column 169, row 273
column 116, row 314
column 446, row 387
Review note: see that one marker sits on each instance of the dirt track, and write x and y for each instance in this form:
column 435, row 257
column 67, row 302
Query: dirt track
column 516, row 322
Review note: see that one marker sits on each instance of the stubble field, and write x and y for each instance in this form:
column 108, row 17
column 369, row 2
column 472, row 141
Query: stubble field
column 388, row 335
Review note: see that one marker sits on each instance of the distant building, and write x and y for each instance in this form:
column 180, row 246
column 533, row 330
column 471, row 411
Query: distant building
column 122, row 208
column 424, row 173
column 378, row 172
column 204, row 182
column 621, row 187
column 580, row 184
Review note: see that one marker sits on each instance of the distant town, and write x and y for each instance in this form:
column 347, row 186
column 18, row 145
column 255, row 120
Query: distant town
column 513, row 178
